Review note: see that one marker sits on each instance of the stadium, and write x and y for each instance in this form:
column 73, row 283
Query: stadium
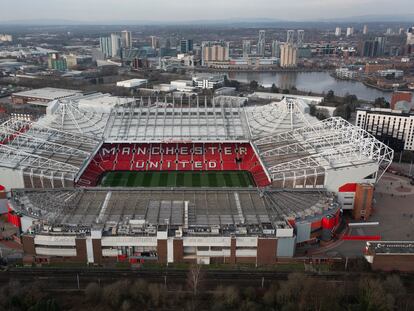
column 207, row 180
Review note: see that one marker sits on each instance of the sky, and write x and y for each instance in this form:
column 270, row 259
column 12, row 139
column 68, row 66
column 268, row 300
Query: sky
column 192, row 10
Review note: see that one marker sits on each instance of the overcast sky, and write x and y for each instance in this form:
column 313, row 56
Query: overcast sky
column 176, row 10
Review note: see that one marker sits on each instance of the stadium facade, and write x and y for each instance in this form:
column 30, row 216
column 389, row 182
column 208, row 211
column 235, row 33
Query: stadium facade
column 298, row 165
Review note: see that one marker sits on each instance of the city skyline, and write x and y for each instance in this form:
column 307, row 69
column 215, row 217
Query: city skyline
column 109, row 11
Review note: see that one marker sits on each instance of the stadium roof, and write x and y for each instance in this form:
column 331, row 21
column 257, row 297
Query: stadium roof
column 328, row 144
column 186, row 207
column 291, row 144
column 163, row 121
column 42, row 150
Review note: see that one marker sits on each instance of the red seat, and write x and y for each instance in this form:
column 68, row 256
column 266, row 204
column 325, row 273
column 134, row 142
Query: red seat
column 174, row 156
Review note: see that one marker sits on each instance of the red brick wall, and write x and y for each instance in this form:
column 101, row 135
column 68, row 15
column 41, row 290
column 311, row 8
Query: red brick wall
column 397, row 96
column 403, row 263
column 178, row 250
column 266, row 251
column 81, row 254
column 233, row 251
column 28, row 245
column 162, row 251
column 97, row 250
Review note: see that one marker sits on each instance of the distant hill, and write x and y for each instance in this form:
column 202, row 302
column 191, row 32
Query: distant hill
column 246, row 22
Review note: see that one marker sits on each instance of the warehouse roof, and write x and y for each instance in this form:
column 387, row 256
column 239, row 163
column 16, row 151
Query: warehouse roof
column 48, row 93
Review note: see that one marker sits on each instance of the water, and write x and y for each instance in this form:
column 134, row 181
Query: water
column 317, row 82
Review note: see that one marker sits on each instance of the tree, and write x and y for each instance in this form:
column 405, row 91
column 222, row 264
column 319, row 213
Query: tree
column 312, row 110
column 93, row 293
column 194, row 278
column 380, row 102
column 330, row 95
column 351, row 101
column 274, row 88
column 372, row 296
column 343, row 111
column 253, row 85
column 322, row 114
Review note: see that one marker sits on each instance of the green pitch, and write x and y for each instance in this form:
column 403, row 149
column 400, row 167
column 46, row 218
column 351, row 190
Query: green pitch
column 177, row 179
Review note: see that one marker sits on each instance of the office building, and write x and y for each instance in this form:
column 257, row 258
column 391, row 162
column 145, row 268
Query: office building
column 126, row 39
column 105, row 45
column 213, row 51
column 365, row 30
column 115, row 45
column 391, row 73
column 186, row 46
column 132, row 83
column 393, row 127
column 208, row 81
column 6, row 38
column 56, row 62
column 338, row 31
column 247, row 48
column 346, row 73
column 275, row 48
column 290, row 37
column 261, row 44
column 301, row 38
column 373, row 48
column 410, row 36
column 288, row 56
column 349, row 31
column 155, row 42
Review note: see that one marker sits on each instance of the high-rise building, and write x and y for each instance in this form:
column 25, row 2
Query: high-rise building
column 275, row 48
column 105, row 45
column 155, row 42
column 186, row 46
column 290, row 36
column 6, row 38
column 214, row 51
column 301, row 37
column 388, row 32
column 115, row 45
column 365, row 30
column 288, row 56
column 126, row 39
column 247, row 48
column 261, row 44
column 394, row 127
column 349, row 31
column 373, row 48
column 338, row 31
column 410, row 36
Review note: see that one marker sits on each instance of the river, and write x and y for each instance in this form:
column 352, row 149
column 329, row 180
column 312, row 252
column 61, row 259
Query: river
column 317, row 82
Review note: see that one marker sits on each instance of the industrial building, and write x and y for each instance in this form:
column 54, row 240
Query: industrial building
column 390, row 255
column 42, row 96
column 132, row 83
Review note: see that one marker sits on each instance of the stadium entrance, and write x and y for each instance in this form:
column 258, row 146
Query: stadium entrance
column 178, row 179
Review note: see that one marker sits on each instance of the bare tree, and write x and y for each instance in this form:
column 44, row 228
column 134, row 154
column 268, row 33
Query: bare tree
column 194, row 278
